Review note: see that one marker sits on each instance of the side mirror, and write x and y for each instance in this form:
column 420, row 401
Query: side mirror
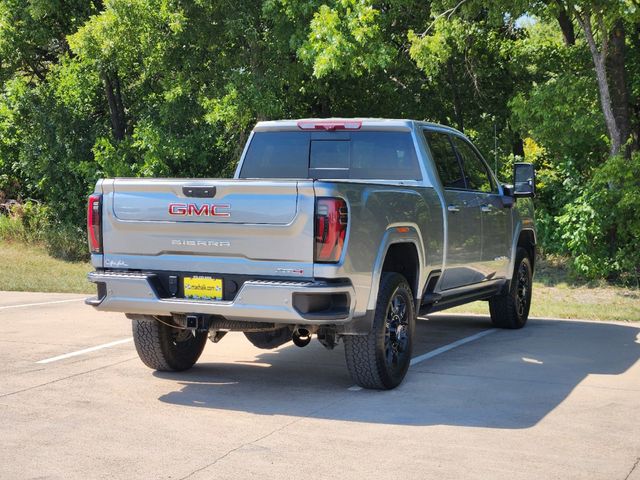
column 524, row 180
column 507, row 198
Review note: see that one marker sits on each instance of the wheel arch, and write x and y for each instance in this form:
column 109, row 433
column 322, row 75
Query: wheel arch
column 525, row 238
column 401, row 251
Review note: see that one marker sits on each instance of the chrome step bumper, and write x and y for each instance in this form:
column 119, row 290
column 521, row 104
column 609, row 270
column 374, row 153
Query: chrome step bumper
column 257, row 300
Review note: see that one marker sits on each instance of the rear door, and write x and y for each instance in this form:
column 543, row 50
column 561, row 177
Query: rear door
column 464, row 224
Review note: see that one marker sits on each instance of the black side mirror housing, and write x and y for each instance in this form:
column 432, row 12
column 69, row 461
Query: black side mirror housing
column 524, row 180
column 507, row 196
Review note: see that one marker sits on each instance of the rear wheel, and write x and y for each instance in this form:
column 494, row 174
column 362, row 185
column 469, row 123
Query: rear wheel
column 511, row 310
column 381, row 358
column 163, row 347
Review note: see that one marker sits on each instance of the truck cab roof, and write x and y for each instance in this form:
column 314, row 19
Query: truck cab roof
column 363, row 124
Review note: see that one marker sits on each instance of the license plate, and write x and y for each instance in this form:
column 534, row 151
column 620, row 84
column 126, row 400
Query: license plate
column 203, row 288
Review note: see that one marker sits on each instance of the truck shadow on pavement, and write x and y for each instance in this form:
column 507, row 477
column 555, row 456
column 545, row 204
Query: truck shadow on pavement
column 510, row 379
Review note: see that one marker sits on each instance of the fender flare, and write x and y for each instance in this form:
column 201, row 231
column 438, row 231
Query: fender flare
column 514, row 246
column 391, row 237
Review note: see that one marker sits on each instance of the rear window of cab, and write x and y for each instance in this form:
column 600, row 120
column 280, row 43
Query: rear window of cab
column 366, row 155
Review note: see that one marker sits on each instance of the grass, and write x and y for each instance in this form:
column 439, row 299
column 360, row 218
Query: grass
column 26, row 267
column 565, row 301
column 556, row 295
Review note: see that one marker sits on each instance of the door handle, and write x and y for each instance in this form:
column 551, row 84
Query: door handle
column 453, row 208
column 486, row 208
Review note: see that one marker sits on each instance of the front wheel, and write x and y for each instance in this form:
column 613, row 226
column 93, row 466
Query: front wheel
column 381, row 358
column 163, row 347
column 511, row 310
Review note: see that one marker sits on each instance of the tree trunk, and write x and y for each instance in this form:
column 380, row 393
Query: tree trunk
column 111, row 85
column 566, row 25
column 599, row 61
column 618, row 82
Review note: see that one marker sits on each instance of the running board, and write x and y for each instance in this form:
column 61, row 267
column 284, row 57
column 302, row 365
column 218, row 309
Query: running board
column 435, row 302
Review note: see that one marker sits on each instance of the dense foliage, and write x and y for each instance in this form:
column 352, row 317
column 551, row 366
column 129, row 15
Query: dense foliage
column 172, row 88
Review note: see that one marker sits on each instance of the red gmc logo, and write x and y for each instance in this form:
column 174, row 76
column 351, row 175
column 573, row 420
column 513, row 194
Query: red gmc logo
column 193, row 210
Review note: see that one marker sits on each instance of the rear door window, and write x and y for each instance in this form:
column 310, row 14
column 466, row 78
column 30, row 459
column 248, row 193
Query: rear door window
column 445, row 159
column 476, row 171
column 327, row 155
column 384, row 155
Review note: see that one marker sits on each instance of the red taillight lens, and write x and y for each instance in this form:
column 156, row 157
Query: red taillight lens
column 331, row 228
column 94, row 223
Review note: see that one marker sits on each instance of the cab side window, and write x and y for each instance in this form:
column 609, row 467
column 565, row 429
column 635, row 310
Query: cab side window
column 445, row 159
column 476, row 173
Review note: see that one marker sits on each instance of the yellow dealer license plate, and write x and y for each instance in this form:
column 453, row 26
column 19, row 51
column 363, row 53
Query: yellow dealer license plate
column 203, row 288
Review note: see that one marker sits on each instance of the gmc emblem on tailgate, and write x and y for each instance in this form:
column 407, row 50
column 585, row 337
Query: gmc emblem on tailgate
column 193, row 210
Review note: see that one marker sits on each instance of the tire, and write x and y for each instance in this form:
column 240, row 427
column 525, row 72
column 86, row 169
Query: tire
column 380, row 359
column 270, row 339
column 511, row 310
column 164, row 348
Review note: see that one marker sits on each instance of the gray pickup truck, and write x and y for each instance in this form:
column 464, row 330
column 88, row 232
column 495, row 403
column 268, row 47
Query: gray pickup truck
column 346, row 229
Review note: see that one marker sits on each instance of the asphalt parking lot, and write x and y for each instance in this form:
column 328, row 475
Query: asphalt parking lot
column 559, row 399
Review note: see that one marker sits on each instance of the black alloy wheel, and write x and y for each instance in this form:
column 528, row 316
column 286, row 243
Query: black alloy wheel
column 396, row 334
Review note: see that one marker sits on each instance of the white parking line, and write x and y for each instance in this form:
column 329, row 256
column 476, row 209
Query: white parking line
column 450, row 346
column 86, row 350
column 354, row 388
column 438, row 351
column 23, row 305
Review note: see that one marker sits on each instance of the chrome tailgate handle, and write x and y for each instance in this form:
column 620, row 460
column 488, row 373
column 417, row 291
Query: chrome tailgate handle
column 453, row 208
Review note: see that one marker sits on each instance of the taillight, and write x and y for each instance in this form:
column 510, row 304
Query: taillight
column 331, row 228
column 94, row 223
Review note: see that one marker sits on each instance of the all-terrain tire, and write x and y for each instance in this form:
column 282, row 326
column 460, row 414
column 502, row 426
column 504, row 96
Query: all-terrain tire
column 380, row 359
column 511, row 309
column 164, row 348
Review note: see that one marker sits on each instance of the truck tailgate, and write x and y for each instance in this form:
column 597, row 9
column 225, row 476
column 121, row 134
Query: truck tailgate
column 224, row 226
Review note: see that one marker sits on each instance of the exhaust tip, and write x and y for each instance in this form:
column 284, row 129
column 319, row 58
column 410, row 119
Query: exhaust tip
column 301, row 337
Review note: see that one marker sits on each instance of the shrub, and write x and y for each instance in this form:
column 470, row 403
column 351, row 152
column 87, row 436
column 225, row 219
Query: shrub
column 25, row 222
column 11, row 228
column 601, row 224
column 33, row 222
column 66, row 242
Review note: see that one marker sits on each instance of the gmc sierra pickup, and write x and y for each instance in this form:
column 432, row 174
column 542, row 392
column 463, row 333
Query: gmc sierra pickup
column 346, row 229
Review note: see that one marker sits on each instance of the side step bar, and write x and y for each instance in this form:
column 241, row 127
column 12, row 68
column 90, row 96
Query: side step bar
column 435, row 302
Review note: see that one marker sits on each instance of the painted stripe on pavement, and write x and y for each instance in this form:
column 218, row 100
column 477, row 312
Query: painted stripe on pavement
column 439, row 351
column 86, row 350
column 450, row 346
column 24, row 305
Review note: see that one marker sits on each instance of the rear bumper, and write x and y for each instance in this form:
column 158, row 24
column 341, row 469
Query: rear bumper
column 299, row 303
